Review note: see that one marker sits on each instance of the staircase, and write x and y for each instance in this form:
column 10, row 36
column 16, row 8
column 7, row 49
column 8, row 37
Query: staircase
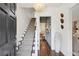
column 26, row 47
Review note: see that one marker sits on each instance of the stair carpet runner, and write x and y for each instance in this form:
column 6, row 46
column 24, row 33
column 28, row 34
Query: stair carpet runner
column 27, row 42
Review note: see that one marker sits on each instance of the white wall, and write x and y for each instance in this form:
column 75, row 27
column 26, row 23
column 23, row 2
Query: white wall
column 24, row 16
column 66, row 42
column 67, row 32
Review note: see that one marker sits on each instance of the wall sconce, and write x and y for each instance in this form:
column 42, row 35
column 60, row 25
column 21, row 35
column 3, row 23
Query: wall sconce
column 62, row 27
column 62, row 15
column 62, row 20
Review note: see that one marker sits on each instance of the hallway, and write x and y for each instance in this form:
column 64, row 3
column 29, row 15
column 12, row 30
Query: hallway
column 27, row 30
column 54, row 11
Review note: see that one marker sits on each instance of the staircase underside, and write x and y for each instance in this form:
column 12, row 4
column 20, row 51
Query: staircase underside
column 26, row 47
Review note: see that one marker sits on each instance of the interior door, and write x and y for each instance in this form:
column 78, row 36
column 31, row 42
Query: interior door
column 75, row 38
column 10, row 28
column 3, row 32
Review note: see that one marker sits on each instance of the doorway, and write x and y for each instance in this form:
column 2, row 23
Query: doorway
column 75, row 30
column 45, row 35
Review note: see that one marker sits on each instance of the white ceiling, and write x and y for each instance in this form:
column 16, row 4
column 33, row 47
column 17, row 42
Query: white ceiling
column 30, row 5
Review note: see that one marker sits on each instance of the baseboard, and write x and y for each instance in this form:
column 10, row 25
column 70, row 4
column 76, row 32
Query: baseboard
column 54, row 53
column 61, row 53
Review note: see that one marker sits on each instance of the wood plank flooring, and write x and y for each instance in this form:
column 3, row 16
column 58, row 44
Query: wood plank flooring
column 45, row 50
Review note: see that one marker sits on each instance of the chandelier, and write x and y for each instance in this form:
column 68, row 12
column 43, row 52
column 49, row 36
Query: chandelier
column 39, row 7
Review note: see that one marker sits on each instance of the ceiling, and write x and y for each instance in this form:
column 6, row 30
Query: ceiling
column 30, row 5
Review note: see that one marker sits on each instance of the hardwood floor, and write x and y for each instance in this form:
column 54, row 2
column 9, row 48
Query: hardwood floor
column 45, row 50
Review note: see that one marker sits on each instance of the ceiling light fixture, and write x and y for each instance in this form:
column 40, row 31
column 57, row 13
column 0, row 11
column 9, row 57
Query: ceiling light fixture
column 39, row 7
